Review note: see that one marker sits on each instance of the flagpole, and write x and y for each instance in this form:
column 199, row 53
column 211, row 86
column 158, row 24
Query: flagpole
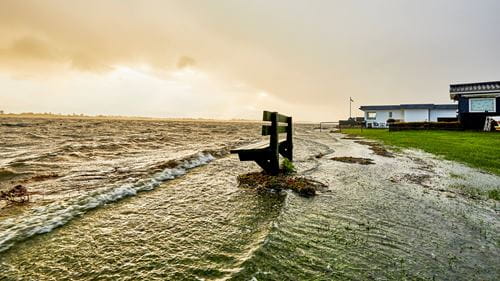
column 350, row 102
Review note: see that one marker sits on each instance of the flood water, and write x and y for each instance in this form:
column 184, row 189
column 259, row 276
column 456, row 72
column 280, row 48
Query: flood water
column 159, row 200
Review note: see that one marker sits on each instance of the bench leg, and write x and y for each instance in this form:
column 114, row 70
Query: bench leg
column 264, row 164
column 286, row 151
column 269, row 166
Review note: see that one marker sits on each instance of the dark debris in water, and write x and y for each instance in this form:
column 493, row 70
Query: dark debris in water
column 319, row 155
column 169, row 164
column 263, row 182
column 17, row 194
column 377, row 148
column 45, row 177
column 355, row 160
column 15, row 124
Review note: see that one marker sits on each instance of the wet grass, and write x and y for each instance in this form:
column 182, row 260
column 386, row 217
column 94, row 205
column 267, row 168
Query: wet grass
column 494, row 194
column 456, row 176
column 287, row 167
column 468, row 191
column 476, row 193
column 476, row 149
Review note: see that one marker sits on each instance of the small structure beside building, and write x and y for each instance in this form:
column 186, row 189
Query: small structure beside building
column 352, row 122
column 376, row 116
column 476, row 101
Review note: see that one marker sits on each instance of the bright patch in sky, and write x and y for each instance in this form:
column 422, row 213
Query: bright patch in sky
column 233, row 59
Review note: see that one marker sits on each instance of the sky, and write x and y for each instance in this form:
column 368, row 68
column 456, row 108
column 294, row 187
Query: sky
column 228, row 59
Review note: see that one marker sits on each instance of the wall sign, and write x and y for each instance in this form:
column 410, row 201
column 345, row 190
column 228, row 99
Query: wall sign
column 482, row 105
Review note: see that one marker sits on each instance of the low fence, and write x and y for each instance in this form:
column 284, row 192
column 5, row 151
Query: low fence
column 401, row 126
column 340, row 125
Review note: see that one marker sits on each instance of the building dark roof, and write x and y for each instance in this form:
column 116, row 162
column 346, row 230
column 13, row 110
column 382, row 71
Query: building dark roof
column 379, row 107
column 409, row 106
column 474, row 88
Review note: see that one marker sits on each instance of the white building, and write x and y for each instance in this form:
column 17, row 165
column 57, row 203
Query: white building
column 376, row 116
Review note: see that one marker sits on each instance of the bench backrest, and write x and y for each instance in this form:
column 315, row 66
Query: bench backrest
column 279, row 124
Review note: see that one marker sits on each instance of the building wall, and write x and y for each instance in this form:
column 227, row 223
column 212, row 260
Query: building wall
column 409, row 115
column 416, row 115
column 383, row 115
column 473, row 120
column 435, row 113
column 463, row 105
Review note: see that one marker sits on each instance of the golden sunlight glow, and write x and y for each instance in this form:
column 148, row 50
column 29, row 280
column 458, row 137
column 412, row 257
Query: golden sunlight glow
column 153, row 58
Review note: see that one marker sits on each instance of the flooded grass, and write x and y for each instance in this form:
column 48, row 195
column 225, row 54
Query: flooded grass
column 477, row 149
column 456, row 176
column 494, row 194
column 420, row 179
column 476, row 193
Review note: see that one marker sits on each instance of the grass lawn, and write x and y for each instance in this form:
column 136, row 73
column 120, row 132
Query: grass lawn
column 476, row 149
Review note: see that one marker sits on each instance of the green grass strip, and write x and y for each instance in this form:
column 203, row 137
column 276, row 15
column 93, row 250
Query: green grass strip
column 476, row 149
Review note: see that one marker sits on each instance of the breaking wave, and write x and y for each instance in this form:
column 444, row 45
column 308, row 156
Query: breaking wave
column 46, row 218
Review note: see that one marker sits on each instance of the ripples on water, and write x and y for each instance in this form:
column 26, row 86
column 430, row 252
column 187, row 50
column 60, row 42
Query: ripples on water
column 85, row 154
column 71, row 166
column 201, row 226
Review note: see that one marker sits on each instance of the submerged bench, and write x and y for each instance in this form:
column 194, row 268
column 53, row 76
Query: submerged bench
column 266, row 154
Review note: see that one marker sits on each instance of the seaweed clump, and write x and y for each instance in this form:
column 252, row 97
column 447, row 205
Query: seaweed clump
column 17, row 194
column 262, row 182
column 377, row 148
column 355, row 160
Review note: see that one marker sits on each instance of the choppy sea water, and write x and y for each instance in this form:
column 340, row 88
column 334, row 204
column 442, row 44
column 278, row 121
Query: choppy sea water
column 158, row 200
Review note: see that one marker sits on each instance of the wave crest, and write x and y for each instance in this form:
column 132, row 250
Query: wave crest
column 46, row 218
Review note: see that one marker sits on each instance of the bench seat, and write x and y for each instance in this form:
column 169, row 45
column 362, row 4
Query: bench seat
column 256, row 151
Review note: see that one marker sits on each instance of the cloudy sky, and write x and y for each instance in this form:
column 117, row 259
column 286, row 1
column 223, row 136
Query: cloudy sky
column 233, row 59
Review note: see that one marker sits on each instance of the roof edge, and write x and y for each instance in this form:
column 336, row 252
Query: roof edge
column 473, row 83
column 410, row 106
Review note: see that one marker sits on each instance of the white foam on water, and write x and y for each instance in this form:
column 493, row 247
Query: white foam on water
column 46, row 218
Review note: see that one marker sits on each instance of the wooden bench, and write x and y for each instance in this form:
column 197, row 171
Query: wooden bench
column 266, row 154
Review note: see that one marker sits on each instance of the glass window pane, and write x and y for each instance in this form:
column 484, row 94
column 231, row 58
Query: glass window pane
column 482, row 105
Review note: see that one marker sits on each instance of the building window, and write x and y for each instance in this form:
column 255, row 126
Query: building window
column 482, row 105
column 390, row 114
column 371, row 115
